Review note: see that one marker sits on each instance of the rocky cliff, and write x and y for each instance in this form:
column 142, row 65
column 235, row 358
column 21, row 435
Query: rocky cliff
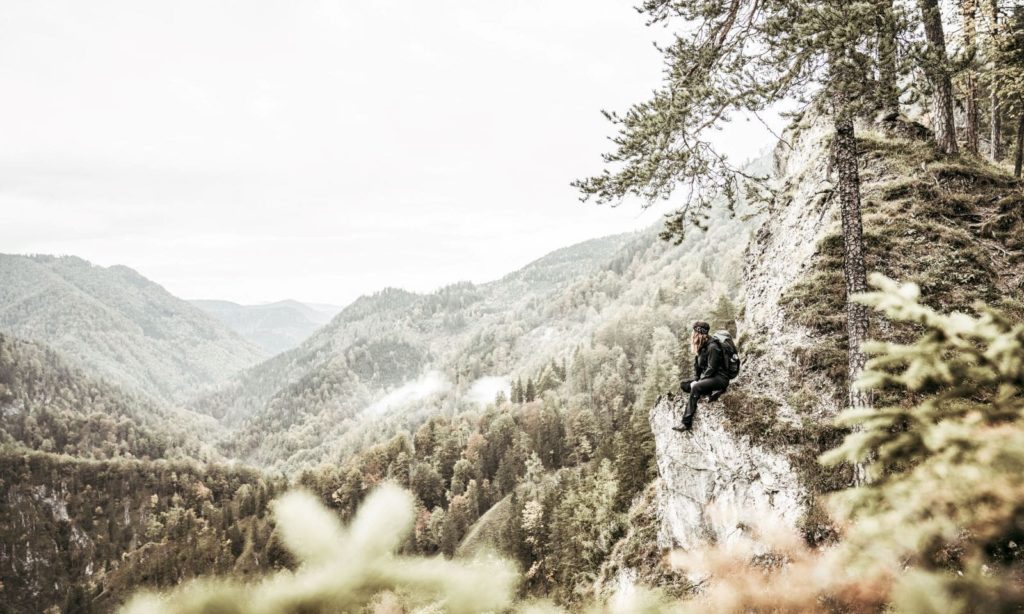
column 732, row 464
column 755, row 450
column 712, row 480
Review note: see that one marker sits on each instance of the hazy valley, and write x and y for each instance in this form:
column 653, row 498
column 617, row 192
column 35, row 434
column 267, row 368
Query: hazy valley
column 843, row 311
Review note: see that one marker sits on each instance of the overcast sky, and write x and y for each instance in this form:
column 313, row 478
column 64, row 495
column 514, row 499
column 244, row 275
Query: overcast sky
column 255, row 150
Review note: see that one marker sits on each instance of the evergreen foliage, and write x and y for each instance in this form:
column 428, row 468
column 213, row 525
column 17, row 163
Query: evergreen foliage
column 947, row 464
column 726, row 58
column 82, row 535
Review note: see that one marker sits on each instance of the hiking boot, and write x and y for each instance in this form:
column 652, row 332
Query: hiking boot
column 714, row 395
column 683, row 428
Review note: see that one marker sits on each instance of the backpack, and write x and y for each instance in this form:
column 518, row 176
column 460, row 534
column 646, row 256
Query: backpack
column 730, row 357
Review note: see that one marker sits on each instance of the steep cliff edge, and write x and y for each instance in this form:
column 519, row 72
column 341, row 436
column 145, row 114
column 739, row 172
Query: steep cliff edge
column 953, row 226
column 745, row 454
column 711, row 480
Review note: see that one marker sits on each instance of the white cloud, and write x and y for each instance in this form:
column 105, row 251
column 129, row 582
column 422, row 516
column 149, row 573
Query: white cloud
column 485, row 389
column 428, row 384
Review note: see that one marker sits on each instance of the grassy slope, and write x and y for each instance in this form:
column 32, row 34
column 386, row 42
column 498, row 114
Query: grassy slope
column 953, row 226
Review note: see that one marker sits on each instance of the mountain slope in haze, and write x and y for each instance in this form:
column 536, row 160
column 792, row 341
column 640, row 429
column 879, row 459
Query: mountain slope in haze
column 386, row 342
column 48, row 405
column 275, row 327
column 433, row 351
column 119, row 324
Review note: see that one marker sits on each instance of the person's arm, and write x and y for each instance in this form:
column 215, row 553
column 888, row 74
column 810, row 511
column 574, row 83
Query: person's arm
column 714, row 361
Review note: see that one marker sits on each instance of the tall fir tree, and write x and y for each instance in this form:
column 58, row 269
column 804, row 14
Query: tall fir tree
column 888, row 92
column 723, row 316
column 1007, row 76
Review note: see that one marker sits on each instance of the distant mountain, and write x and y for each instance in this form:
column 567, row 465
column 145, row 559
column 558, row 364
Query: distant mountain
column 324, row 310
column 119, row 324
column 275, row 327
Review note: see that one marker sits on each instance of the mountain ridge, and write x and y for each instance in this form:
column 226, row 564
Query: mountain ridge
column 116, row 322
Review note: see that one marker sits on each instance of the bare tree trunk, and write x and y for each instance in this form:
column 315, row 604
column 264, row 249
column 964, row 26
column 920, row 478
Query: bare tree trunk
column 995, row 117
column 1018, row 157
column 937, row 65
column 970, row 10
column 888, row 87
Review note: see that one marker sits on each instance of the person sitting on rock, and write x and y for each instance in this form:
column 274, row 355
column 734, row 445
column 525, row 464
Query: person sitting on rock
column 709, row 370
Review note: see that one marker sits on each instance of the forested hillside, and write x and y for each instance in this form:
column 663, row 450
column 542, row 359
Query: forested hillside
column 425, row 350
column 585, row 344
column 117, row 323
column 390, row 360
column 81, row 535
column 47, row 405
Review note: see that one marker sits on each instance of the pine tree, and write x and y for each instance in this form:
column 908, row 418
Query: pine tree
column 946, row 484
column 969, row 10
column 995, row 113
column 661, row 373
column 1007, row 76
column 888, row 91
column 937, row 67
column 854, row 271
column 742, row 56
column 723, row 316
column 531, row 392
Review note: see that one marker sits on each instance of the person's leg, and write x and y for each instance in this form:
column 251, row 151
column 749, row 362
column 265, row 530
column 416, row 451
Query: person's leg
column 697, row 390
column 720, row 391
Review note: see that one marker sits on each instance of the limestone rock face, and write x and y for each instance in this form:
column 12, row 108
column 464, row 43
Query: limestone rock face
column 780, row 254
column 712, row 481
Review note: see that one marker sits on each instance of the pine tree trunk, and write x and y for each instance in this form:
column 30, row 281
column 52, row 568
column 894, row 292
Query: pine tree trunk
column 970, row 37
column 848, row 189
column 937, row 65
column 1018, row 157
column 995, row 119
column 844, row 162
column 888, row 88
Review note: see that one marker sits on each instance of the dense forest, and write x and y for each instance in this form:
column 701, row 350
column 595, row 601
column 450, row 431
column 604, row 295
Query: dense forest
column 489, row 447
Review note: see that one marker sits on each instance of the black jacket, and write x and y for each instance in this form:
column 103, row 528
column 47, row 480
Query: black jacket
column 709, row 360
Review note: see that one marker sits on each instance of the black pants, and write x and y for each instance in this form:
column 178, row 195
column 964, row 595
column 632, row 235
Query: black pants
column 698, row 389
